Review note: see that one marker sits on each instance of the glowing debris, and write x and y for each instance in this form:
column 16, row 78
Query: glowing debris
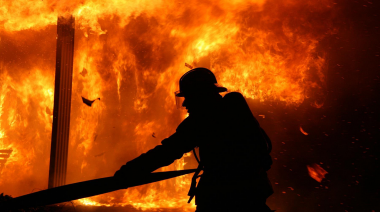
column 189, row 66
column 316, row 172
column 303, row 131
column 317, row 105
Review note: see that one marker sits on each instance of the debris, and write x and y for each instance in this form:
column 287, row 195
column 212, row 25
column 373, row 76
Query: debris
column 84, row 72
column 303, row 131
column 316, row 172
column 189, row 66
column 48, row 111
column 98, row 155
column 154, row 135
column 89, row 102
column 317, row 104
column 263, row 116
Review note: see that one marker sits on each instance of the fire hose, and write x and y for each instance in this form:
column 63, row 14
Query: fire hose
column 85, row 189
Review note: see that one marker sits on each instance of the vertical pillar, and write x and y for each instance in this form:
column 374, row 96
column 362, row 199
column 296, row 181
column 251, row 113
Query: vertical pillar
column 62, row 101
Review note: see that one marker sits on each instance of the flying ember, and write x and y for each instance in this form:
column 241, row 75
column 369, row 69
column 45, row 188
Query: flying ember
column 316, row 172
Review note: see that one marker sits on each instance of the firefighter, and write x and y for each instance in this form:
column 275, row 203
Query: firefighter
column 233, row 148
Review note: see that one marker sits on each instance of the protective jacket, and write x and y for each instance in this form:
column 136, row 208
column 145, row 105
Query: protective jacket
column 233, row 149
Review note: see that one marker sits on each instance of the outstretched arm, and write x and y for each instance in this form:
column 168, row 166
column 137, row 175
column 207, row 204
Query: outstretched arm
column 171, row 148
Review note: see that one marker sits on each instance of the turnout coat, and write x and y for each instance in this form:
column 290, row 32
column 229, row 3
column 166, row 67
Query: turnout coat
column 233, row 149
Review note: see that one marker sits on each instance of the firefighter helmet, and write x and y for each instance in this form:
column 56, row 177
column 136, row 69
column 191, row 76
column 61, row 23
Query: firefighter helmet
column 197, row 81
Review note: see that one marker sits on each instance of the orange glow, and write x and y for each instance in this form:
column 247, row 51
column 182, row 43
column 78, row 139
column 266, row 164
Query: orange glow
column 316, row 172
column 89, row 202
column 303, row 131
column 131, row 54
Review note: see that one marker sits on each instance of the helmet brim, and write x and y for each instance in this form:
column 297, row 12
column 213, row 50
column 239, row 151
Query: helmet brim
column 218, row 89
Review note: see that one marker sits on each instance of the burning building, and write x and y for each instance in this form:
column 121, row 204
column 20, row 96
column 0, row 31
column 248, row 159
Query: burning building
column 292, row 60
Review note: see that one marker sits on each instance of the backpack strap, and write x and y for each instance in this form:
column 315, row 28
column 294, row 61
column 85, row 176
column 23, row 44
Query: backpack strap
column 196, row 175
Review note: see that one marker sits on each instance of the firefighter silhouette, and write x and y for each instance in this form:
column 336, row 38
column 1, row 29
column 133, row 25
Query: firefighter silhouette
column 233, row 148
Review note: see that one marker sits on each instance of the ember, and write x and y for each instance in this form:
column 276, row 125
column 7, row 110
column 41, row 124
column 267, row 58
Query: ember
column 303, row 131
column 316, row 172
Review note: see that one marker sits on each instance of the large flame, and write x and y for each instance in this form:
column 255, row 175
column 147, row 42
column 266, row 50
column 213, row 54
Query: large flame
column 131, row 55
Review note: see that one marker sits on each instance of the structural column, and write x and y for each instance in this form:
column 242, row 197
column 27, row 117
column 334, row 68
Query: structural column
column 62, row 101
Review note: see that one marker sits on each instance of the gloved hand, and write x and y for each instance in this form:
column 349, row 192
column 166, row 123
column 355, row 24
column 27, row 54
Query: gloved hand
column 123, row 171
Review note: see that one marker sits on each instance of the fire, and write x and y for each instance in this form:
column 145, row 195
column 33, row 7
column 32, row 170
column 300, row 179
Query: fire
column 88, row 201
column 130, row 54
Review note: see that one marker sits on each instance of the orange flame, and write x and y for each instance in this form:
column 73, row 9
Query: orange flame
column 131, row 55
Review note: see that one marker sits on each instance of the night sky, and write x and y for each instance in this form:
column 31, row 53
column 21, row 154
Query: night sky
column 343, row 135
